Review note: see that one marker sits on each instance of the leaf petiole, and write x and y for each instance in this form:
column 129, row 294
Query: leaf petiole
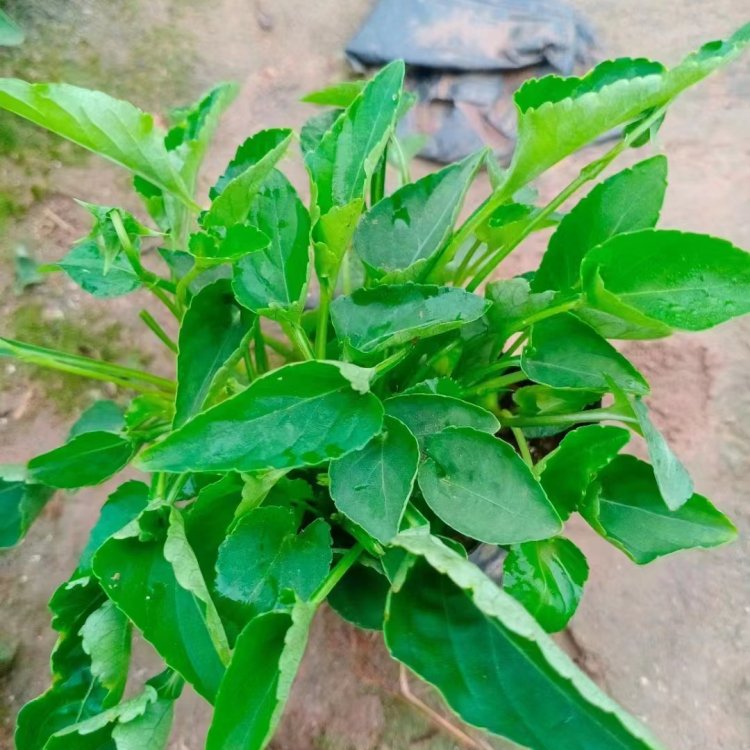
column 337, row 573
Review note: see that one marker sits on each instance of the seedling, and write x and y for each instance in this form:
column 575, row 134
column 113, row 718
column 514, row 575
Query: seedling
column 360, row 449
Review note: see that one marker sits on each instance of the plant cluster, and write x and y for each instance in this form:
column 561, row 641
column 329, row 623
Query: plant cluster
column 359, row 450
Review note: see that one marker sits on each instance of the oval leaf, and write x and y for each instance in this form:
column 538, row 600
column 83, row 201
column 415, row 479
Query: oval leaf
column 270, row 648
column 547, row 577
column 273, row 281
column 88, row 459
column 235, row 190
column 481, row 487
column 212, row 335
column 348, row 153
column 564, row 352
column 625, row 506
column 407, row 228
column 263, row 557
column 84, row 263
column 678, row 279
column 371, row 320
column 582, row 454
column 20, row 503
column 299, row 415
column 626, row 202
column 426, row 413
column 373, row 485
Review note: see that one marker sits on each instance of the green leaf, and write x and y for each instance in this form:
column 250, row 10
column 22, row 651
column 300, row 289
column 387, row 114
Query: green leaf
column 332, row 235
column 84, row 263
column 141, row 723
column 674, row 482
column 625, row 506
column 270, row 648
column 149, row 571
column 556, row 116
column 315, row 128
column 371, row 320
column 492, row 662
column 676, row 279
column 481, row 487
column 237, row 187
column 582, row 454
column 21, row 502
column 263, row 557
column 88, row 459
column 626, row 202
column 372, row 485
column 193, row 128
column 345, row 160
column 402, row 232
column 112, row 128
column 75, row 694
column 299, row 415
column 564, row 352
column 104, row 231
column 11, row 34
column 213, row 332
column 360, row 596
column 208, row 519
column 238, row 241
column 513, row 304
column 101, row 416
column 26, row 271
column 273, row 282
column 124, row 505
column 547, row 577
column 339, row 95
column 105, row 637
column 541, row 399
column 426, row 414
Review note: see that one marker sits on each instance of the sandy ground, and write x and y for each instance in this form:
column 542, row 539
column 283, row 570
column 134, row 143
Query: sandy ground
column 671, row 640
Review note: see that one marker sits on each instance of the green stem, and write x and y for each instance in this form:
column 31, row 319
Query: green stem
column 390, row 362
column 252, row 373
column 85, row 366
column 179, row 482
column 523, row 447
column 157, row 330
column 496, row 384
column 298, row 337
column 154, row 283
column 505, row 363
column 377, row 186
column 588, row 173
column 467, row 229
column 548, row 313
column 321, row 331
column 458, row 277
column 403, row 164
column 592, row 415
column 279, row 347
column 183, row 285
column 261, row 357
column 336, row 574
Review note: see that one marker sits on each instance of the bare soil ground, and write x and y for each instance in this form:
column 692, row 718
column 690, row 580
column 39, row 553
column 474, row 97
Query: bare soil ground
column 670, row 641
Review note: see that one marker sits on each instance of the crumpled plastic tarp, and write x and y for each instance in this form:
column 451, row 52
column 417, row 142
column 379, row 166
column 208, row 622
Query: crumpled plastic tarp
column 465, row 59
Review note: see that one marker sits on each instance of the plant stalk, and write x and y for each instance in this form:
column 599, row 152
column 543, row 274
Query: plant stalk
column 336, row 574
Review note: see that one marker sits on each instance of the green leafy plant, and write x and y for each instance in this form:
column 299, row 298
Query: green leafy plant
column 359, row 449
